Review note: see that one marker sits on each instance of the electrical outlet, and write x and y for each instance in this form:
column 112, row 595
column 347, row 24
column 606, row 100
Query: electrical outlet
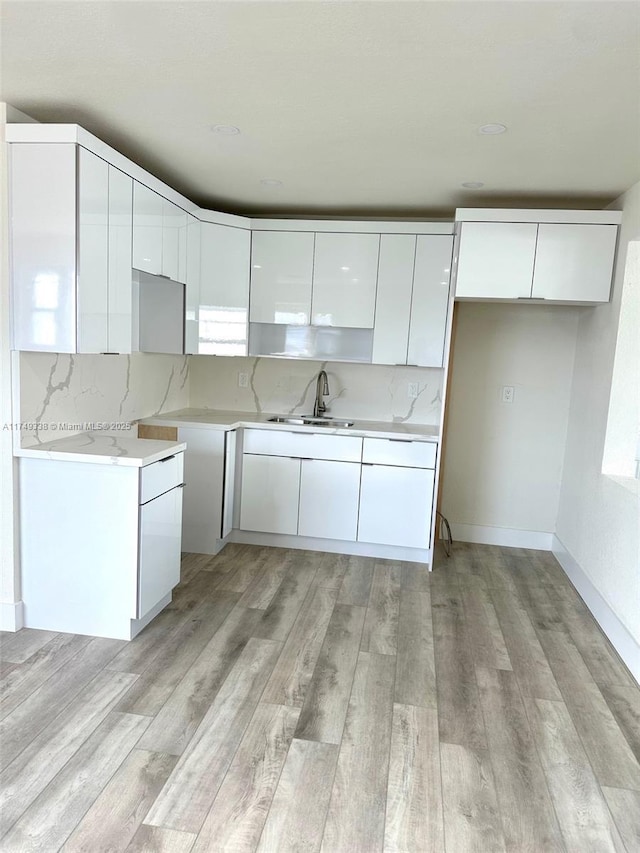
column 243, row 380
column 508, row 393
column 412, row 390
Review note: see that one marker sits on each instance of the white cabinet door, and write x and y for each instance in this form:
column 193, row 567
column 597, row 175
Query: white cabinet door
column 395, row 506
column 345, row 274
column 93, row 249
column 230, row 446
column 269, row 499
column 174, row 241
column 393, row 299
column 430, row 301
column 159, row 569
column 148, row 210
column 329, row 494
column 574, row 262
column 281, row 275
column 43, row 246
column 495, row 260
column 224, row 290
column 192, row 288
column 120, row 235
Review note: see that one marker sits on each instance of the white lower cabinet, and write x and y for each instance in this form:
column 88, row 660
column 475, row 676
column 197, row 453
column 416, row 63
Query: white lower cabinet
column 395, row 505
column 160, row 537
column 329, row 495
column 100, row 544
column 270, row 491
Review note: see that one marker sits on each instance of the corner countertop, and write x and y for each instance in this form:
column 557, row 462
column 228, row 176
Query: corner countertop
column 225, row 421
column 103, row 449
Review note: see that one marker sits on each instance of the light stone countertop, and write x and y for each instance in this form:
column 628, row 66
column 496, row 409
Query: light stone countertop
column 227, row 420
column 103, row 449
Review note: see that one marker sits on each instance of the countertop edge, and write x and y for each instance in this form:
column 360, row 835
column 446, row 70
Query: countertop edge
column 71, row 455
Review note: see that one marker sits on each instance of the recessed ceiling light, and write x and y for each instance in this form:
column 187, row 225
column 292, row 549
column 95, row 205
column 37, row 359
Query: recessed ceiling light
column 225, row 129
column 472, row 185
column 493, row 129
column 344, row 268
column 271, row 182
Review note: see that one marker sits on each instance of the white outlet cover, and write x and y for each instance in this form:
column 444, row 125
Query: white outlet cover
column 243, row 380
column 412, row 390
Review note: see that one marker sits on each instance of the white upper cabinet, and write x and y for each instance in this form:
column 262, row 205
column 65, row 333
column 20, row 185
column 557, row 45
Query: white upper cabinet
column 412, row 299
column 495, row 260
column 119, row 274
column 574, row 262
column 192, row 289
column 393, row 300
column 564, row 256
column 281, row 275
column 148, row 211
column 93, row 252
column 430, row 300
column 224, row 290
column 159, row 234
column 71, row 250
column 345, row 274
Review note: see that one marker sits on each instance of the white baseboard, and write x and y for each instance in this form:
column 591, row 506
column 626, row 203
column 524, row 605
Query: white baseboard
column 11, row 615
column 627, row 646
column 333, row 546
column 507, row 536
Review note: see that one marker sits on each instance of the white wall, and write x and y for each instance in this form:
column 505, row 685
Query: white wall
column 599, row 516
column 503, row 462
column 58, row 390
column 279, row 386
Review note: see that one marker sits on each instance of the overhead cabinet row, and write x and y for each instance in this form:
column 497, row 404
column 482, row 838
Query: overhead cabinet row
column 101, row 263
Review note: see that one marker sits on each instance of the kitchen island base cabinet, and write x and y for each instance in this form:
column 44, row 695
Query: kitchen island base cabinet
column 95, row 559
column 395, row 506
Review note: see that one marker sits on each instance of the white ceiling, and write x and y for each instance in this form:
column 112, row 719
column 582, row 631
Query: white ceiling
column 360, row 108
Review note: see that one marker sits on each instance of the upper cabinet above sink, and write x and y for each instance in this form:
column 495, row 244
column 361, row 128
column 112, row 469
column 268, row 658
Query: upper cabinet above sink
column 345, row 274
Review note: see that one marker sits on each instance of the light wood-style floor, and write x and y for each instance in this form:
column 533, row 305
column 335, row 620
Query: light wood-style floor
column 299, row 701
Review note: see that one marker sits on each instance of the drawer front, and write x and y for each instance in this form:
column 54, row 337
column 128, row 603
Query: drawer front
column 403, row 452
column 159, row 477
column 160, row 543
column 312, row 445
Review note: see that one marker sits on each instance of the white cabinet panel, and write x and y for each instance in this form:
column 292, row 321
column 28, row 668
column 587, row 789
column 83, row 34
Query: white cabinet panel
column 574, row 262
column 224, row 290
column 43, row 246
column 174, row 241
column 281, row 275
column 93, row 248
column 345, row 274
column 495, row 260
column 269, row 500
column 192, row 289
column 148, row 214
column 395, row 506
column 430, row 301
column 329, row 493
column 230, row 448
column 402, row 452
column 119, row 273
column 161, row 476
column 204, row 465
column 345, row 448
column 159, row 571
column 393, row 299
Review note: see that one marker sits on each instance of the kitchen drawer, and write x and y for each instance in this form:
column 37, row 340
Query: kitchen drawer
column 403, row 452
column 159, row 477
column 311, row 445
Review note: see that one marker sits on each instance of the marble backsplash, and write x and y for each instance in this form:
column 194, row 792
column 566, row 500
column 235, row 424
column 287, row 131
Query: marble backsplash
column 287, row 386
column 60, row 391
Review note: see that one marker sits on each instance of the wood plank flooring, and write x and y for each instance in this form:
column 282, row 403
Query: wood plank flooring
column 300, row 701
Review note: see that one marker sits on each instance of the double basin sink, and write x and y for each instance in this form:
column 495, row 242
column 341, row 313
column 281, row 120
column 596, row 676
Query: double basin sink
column 309, row 420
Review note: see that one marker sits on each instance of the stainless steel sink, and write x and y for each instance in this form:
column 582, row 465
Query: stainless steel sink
column 303, row 420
